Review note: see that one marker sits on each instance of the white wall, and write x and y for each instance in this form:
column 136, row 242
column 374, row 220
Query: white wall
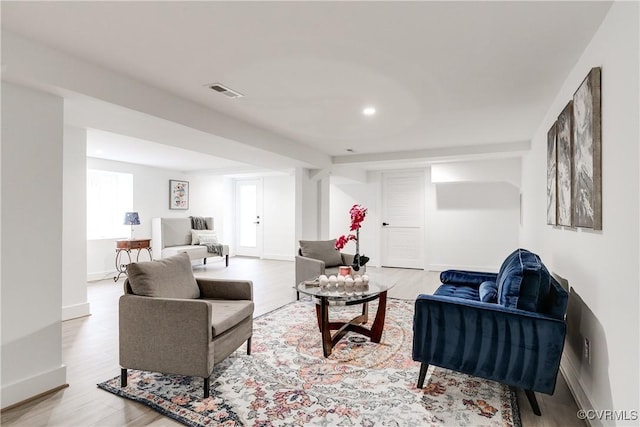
column 489, row 170
column 278, row 217
column 306, row 206
column 208, row 196
column 32, row 147
column 472, row 225
column 324, row 207
column 212, row 195
column 600, row 266
column 150, row 200
column 468, row 225
column 344, row 193
column 473, row 213
column 74, row 225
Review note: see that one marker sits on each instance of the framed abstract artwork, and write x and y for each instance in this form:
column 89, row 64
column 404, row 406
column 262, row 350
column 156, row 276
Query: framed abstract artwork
column 587, row 140
column 178, row 194
column 564, row 147
column 552, row 177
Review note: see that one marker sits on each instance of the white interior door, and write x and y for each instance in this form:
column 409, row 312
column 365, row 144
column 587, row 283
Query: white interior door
column 248, row 217
column 403, row 237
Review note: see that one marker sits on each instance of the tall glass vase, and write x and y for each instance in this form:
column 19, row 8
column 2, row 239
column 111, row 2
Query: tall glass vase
column 356, row 259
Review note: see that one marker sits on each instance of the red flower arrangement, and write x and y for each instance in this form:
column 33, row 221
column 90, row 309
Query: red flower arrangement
column 358, row 214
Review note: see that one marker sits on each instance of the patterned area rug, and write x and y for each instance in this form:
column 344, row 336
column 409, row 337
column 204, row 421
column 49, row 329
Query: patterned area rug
column 286, row 381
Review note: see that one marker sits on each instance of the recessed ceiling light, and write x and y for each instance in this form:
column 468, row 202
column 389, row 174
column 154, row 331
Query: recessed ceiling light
column 369, row 111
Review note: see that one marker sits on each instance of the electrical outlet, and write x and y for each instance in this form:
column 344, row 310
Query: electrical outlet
column 586, row 352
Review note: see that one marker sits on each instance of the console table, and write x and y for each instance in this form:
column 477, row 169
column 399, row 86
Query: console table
column 125, row 247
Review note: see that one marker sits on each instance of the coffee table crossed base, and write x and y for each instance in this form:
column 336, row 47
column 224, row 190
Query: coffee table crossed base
column 325, row 298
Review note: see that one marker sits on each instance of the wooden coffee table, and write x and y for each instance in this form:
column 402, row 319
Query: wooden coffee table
column 327, row 297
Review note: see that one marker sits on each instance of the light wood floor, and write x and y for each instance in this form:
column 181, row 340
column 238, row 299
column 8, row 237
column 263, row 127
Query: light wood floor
column 90, row 352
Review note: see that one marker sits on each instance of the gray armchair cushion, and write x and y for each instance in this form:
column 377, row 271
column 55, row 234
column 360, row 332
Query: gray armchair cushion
column 166, row 278
column 323, row 250
column 227, row 314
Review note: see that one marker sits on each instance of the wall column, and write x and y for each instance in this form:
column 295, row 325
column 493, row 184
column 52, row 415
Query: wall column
column 74, row 227
column 31, row 218
column 306, row 206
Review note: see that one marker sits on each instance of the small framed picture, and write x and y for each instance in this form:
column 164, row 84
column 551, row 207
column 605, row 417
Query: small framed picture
column 178, row 194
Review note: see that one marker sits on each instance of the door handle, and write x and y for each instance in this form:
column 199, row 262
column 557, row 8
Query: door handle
column 384, row 224
column 256, row 222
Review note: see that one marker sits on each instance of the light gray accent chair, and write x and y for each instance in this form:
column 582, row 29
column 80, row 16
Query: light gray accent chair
column 175, row 323
column 316, row 257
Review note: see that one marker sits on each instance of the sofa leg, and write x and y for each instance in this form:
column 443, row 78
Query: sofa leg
column 423, row 373
column 249, row 346
column 531, row 396
column 226, row 260
column 206, row 387
column 205, row 261
column 123, row 377
column 297, row 296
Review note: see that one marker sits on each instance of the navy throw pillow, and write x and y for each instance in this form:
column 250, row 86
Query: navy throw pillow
column 488, row 292
column 523, row 281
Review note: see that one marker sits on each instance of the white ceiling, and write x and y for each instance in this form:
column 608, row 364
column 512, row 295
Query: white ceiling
column 440, row 74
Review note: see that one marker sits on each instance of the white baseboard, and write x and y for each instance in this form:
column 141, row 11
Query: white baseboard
column 278, row 257
column 101, row 275
column 443, row 267
column 570, row 374
column 74, row 311
column 33, row 386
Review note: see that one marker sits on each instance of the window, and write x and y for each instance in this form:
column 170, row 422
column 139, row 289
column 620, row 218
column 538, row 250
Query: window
column 109, row 196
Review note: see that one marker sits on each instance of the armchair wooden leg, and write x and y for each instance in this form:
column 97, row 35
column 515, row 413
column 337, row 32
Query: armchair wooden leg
column 297, row 296
column 423, row 373
column 123, row 377
column 226, row 260
column 531, row 396
column 249, row 347
column 207, row 385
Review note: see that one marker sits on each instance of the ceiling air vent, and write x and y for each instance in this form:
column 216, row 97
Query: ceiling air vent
column 229, row 93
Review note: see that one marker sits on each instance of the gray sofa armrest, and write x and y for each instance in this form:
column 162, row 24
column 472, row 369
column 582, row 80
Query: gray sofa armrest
column 226, row 289
column 152, row 334
column 308, row 268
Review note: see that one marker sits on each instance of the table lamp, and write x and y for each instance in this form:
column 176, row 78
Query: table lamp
column 131, row 218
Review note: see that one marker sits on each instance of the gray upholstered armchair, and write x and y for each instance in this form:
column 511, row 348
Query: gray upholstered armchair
column 316, row 257
column 173, row 323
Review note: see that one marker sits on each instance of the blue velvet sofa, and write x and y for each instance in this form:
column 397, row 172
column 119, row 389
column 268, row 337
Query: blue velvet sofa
column 507, row 327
